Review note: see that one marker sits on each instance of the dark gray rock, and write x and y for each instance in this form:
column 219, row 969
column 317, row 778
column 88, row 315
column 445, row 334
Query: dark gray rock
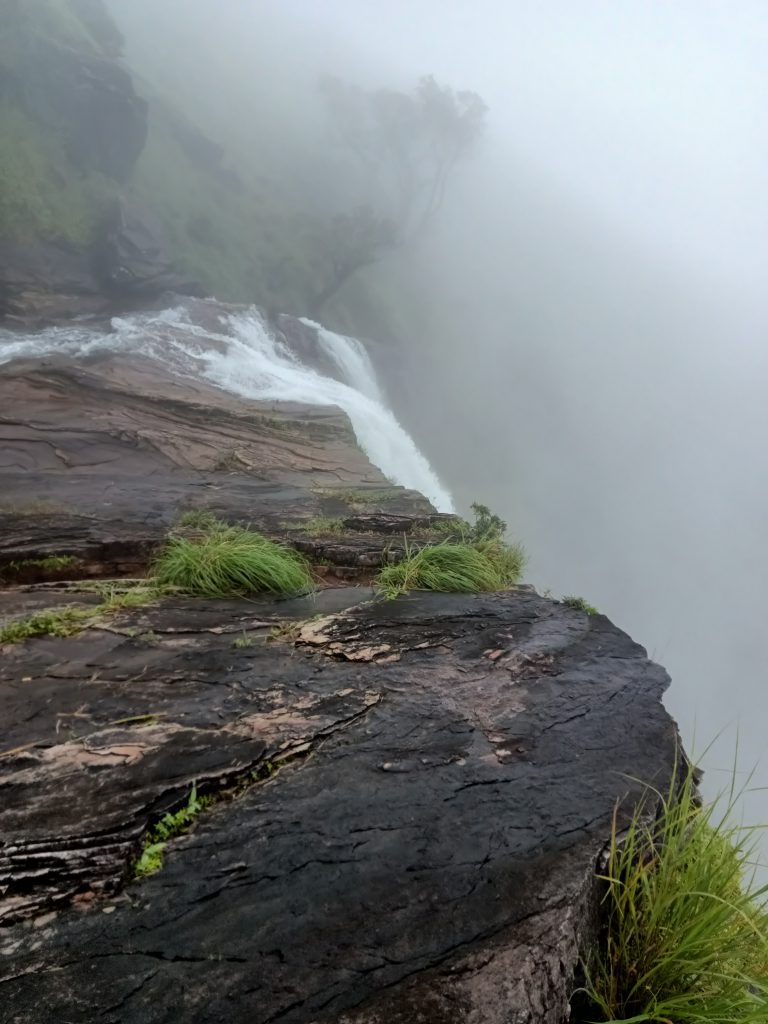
column 98, row 459
column 47, row 280
column 444, row 772
column 133, row 258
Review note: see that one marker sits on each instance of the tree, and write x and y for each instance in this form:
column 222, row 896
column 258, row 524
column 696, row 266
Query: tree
column 355, row 240
column 405, row 148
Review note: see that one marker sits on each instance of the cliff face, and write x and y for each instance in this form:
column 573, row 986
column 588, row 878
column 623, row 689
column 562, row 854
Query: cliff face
column 111, row 192
column 408, row 799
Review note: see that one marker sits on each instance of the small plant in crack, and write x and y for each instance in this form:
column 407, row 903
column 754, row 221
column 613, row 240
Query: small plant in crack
column 264, row 771
column 169, row 826
column 243, row 641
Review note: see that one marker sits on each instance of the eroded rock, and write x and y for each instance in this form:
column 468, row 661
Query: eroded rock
column 428, row 855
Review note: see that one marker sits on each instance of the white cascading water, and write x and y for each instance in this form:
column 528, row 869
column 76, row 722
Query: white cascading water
column 247, row 359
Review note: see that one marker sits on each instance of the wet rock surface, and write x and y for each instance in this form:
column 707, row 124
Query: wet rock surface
column 408, row 799
column 99, row 458
column 413, row 797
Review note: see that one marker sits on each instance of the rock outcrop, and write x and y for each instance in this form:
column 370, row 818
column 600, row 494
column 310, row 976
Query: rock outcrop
column 60, row 74
column 414, row 796
column 86, row 97
column 99, row 458
column 408, row 799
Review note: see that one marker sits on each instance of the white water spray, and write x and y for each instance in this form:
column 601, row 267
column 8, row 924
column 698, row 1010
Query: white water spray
column 247, row 359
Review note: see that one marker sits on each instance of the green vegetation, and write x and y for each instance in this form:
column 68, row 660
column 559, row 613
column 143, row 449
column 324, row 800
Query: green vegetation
column 44, row 195
column 71, row 619
column 243, row 641
column 49, row 564
column 264, row 771
column 449, row 567
column 237, row 237
column 200, row 519
column 687, row 929
column 64, row 621
column 474, row 557
column 287, row 632
column 170, row 826
column 352, row 496
column 229, row 561
column 580, row 604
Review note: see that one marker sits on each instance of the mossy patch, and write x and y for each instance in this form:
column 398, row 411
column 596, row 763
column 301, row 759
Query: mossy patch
column 43, row 194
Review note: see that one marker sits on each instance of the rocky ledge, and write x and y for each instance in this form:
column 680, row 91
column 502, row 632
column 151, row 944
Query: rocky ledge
column 99, row 458
column 412, row 798
column 403, row 803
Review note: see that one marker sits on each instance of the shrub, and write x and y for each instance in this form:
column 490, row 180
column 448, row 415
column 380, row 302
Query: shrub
column 686, row 935
column 450, row 567
column 230, row 562
column 487, row 526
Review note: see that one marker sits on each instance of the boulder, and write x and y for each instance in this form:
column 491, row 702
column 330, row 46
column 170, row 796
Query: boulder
column 410, row 800
column 98, row 459
column 406, row 801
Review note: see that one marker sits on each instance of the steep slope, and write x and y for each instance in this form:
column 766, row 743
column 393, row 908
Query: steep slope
column 88, row 146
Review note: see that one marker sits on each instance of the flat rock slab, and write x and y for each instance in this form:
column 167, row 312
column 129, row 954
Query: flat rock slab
column 99, row 457
column 442, row 775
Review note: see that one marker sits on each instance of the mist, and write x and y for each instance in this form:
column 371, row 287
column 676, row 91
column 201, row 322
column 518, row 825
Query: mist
column 579, row 341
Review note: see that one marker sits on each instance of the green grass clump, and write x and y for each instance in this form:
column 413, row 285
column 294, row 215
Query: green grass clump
column 230, row 562
column 71, row 619
column 64, row 621
column 321, row 525
column 509, row 560
column 51, row 563
column 200, row 519
column 473, row 558
column 464, row 568
column 169, row 826
column 580, row 604
column 687, row 930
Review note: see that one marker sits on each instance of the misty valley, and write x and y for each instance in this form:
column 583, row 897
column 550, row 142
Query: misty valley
column 382, row 512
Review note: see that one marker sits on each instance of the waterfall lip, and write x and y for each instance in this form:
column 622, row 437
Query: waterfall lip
column 236, row 349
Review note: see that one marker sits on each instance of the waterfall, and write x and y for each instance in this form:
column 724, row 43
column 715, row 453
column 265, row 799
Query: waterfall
column 243, row 356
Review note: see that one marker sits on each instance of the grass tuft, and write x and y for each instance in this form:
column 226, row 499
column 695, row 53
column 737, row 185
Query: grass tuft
column 687, row 929
column 66, row 621
column 71, row 619
column 580, row 604
column 322, row 525
column 200, row 519
column 472, row 558
column 230, row 562
column 464, row 568
column 50, row 563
